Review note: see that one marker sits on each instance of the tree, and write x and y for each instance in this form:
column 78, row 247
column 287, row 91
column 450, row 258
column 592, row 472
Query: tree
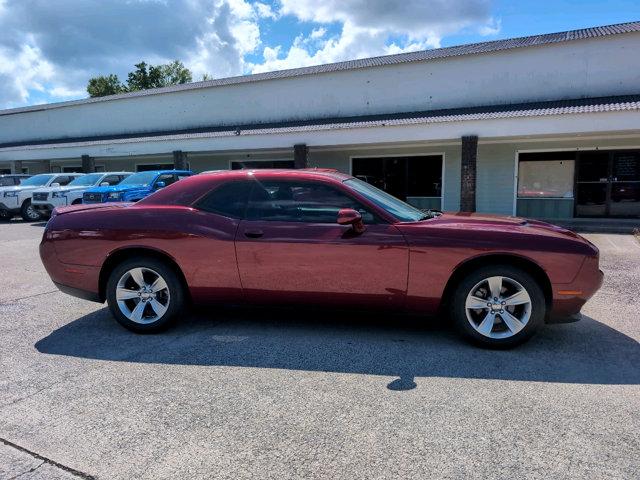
column 144, row 77
column 175, row 73
column 101, row 86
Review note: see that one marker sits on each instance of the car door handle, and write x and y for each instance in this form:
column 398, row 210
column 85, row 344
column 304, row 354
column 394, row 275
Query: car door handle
column 253, row 233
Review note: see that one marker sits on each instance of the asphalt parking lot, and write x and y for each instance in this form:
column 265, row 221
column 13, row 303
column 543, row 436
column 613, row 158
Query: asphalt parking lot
column 291, row 394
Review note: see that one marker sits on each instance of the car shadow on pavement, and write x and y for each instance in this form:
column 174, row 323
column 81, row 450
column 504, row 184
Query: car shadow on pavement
column 375, row 344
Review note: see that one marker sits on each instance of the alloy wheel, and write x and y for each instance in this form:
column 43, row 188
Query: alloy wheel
column 32, row 213
column 142, row 295
column 498, row 307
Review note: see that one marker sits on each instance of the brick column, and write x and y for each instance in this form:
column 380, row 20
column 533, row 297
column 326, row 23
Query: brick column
column 468, row 174
column 300, row 154
column 179, row 160
column 88, row 164
column 17, row 166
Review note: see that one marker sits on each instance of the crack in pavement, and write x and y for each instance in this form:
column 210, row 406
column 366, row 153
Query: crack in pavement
column 31, row 470
column 11, row 300
column 46, row 460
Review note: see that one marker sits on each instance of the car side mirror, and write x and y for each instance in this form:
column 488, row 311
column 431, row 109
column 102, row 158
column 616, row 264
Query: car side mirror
column 349, row 216
column 104, row 184
column 54, row 185
column 160, row 185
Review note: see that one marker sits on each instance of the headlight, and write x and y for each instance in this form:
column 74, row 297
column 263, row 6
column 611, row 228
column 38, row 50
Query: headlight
column 114, row 196
column 58, row 195
column 10, row 194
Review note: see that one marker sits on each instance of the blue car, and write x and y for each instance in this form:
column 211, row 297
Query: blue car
column 135, row 187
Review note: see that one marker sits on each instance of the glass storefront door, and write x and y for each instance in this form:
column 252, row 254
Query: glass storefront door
column 608, row 184
column 625, row 185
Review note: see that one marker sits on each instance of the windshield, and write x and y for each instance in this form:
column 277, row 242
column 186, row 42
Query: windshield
column 36, row 181
column 142, row 178
column 396, row 207
column 85, row 180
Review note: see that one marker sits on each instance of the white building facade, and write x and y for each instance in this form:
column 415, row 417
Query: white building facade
column 545, row 126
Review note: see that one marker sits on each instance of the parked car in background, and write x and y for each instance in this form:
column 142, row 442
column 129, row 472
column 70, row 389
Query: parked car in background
column 16, row 200
column 312, row 237
column 46, row 199
column 11, row 179
column 136, row 187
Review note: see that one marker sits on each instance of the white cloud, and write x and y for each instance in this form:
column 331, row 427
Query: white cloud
column 318, row 33
column 374, row 27
column 265, row 11
column 59, row 45
column 22, row 70
column 491, row 28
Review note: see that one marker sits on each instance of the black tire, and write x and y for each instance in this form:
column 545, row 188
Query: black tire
column 463, row 324
column 28, row 213
column 176, row 302
column 5, row 216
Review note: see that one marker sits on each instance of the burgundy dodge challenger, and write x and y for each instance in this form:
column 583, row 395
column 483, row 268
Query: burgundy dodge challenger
column 317, row 237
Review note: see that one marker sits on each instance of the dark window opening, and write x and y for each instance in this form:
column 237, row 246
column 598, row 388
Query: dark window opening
column 258, row 164
column 402, row 177
column 154, row 166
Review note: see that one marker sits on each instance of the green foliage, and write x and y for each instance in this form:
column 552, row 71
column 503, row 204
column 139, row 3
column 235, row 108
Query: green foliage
column 145, row 76
column 101, row 86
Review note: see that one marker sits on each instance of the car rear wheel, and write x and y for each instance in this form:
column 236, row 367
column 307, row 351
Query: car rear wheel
column 498, row 306
column 145, row 295
column 28, row 212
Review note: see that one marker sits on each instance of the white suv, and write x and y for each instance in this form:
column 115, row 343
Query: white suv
column 46, row 199
column 17, row 200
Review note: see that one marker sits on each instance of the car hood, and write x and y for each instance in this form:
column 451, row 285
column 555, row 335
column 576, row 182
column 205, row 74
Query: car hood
column 497, row 223
column 118, row 188
column 17, row 188
column 59, row 189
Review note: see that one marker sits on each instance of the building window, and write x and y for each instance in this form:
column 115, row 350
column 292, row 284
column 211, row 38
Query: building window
column 403, row 177
column 257, row 164
column 74, row 169
column 545, row 178
column 154, row 166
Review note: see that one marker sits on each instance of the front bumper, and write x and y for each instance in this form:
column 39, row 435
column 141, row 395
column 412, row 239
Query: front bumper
column 9, row 208
column 46, row 208
column 569, row 298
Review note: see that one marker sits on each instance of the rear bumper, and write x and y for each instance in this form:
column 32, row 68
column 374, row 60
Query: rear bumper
column 78, row 292
column 78, row 280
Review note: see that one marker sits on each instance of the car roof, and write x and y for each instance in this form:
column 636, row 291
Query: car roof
column 166, row 171
column 15, row 175
column 294, row 174
column 189, row 189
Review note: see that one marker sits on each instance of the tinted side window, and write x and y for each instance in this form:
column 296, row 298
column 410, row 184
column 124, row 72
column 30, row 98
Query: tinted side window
column 167, row 178
column 112, row 179
column 308, row 202
column 63, row 180
column 6, row 181
column 228, row 199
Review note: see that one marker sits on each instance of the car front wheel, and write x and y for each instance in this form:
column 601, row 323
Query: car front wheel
column 498, row 306
column 28, row 212
column 145, row 295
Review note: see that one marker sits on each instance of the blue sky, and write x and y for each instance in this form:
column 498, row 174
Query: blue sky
column 48, row 50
